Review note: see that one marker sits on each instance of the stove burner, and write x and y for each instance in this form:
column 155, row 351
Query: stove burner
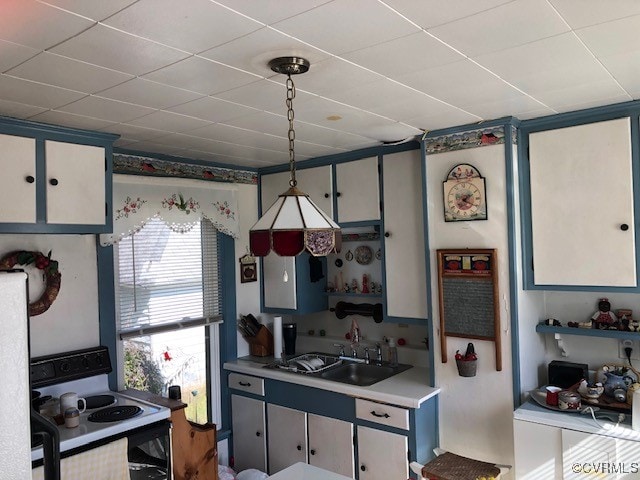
column 99, row 401
column 115, row 414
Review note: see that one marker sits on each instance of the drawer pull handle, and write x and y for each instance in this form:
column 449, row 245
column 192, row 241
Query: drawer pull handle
column 363, row 468
column 245, row 384
column 312, row 452
column 29, row 179
column 624, row 227
column 379, row 415
column 299, row 447
column 258, row 434
column 54, row 181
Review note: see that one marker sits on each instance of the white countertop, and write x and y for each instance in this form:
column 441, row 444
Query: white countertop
column 304, row 471
column 532, row 412
column 407, row 389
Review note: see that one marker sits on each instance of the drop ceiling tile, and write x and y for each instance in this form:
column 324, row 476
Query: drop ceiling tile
column 151, row 147
column 117, row 50
column 71, row 120
column 312, row 150
column 333, row 74
column 239, row 136
column 12, row 54
column 213, row 109
column 133, row 132
column 263, row 95
column 253, row 52
column 265, row 122
column 612, row 38
column 333, row 137
column 94, row 10
column 173, row 122
column 488, row 109
column 106, row 109
column 182, row 140
column 340, row 27
column 202, row 76
column 509, row 25
column 35, row 94
column 19, row 110
column 65, row 72
column 404, row 55
column 542, row 112
column 594, row 102
column 29, row 23
column 430, row 13
column 427, row 121
column 625, row 68
column 270, row 11
column 549, row 54
column 583, row 13
column 459, row 83
column 584, row 94
column 193, row 27
column 149, row 94
column 226, row 160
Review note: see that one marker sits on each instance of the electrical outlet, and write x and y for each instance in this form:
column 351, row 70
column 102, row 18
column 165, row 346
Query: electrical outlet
column 635, row 349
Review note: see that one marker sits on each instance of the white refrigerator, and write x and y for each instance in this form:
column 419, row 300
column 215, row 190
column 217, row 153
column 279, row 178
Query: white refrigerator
column 17, row 418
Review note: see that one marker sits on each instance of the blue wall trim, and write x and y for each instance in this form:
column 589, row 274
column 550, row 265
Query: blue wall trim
column 472, row 126
column 107, row 307
column 228, row 332
column 13, row 126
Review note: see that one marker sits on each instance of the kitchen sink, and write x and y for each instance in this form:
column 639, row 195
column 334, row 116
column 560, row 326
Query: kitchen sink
column 362, row 374
column 339, row 369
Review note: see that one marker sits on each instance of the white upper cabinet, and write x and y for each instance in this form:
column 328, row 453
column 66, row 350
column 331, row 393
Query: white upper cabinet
column 75, row 177
column 582, row 217
column 17, row 182
column 357, row 190
column 404, row 247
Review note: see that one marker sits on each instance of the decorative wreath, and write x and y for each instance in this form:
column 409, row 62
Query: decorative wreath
column 50, row 272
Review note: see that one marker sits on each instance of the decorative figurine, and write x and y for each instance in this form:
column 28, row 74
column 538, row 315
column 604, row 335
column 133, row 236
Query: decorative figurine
column 604, row 318
column 365, row 283
column 354, row 286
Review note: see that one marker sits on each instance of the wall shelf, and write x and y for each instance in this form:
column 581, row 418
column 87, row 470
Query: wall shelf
column 588, row 332
column 360, row 295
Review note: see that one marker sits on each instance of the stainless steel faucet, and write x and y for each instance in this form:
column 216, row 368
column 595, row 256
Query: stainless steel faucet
column 339, row 345
column 354, row 351
column 378, row 353
column 367, row 358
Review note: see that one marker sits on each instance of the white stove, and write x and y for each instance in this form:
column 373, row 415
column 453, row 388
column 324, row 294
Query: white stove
column 52, row 369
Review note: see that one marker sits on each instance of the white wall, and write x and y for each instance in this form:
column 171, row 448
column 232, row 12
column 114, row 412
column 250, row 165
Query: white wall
column 475, row 413
column 71, row 322
column 247, row 294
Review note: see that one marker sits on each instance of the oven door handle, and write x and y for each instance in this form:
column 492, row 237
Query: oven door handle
column 50, row 445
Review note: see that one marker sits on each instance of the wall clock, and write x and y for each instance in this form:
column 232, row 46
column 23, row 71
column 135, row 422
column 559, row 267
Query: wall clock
column 464, row 194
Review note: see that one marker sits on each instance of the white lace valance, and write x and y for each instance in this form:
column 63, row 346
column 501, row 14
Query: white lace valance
column 179, row 203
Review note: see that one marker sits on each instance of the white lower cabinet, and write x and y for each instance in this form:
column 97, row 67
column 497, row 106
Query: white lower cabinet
column 382, row 454
column 249, row 428
column 296, row 436
column 553, row 453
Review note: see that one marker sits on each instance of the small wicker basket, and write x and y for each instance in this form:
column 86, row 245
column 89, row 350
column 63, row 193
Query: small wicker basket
column 467, row 368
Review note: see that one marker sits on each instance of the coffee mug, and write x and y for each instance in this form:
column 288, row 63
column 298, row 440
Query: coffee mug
column 552, row 396
column 70, row 400
column 50, row 408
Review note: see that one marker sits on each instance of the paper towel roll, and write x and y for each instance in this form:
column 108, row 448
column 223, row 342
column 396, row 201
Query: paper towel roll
column 277, row 337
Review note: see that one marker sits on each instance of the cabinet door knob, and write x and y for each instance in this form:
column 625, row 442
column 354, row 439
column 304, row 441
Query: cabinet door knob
column 624, row 227
column 29, row 179
column 312, row 452
column 326, row 195
column 53, row 181
column 338, row 194
column 258, row 434
column 363, row 468
column 299, row 447
column 387, row 234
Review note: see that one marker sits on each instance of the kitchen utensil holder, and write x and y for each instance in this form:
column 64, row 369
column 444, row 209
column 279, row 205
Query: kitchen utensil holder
column 262, row 344
column 467, row 368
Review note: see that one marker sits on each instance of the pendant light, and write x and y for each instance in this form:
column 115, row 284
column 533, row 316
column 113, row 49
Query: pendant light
column 294, row 223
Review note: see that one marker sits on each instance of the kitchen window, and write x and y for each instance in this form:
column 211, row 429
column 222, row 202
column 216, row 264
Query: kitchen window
column 168, row 286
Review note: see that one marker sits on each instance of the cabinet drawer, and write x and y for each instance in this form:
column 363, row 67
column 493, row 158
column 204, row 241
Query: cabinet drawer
column 380, row 413
column 246, row 383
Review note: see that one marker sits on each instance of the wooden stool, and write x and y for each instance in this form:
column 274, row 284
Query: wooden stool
column 449, row 466
column 194, row 448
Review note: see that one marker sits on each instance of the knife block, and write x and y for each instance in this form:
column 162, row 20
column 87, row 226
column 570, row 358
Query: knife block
column 262, row 344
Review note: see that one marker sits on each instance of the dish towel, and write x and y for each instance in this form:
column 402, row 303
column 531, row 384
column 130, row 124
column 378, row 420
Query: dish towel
column 108, row 462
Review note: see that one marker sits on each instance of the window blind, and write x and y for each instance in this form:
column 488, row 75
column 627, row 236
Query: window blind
column 168, row 280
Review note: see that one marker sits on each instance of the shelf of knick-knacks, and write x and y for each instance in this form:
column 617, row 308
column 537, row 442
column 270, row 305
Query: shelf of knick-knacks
column 352, row 294
column 588, row 332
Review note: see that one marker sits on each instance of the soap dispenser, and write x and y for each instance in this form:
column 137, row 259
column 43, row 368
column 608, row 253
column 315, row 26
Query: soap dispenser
column 392, row 352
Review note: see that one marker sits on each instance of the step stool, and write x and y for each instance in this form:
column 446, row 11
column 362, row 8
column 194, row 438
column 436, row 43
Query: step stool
column 449, row 466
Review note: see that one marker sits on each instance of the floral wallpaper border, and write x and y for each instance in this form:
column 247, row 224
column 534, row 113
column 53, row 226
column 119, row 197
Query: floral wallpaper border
column 482, row 137
column 133, row 164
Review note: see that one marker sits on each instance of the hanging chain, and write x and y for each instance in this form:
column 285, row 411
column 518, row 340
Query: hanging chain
column 291, row 94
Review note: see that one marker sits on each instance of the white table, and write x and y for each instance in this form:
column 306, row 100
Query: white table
column 304, row 471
